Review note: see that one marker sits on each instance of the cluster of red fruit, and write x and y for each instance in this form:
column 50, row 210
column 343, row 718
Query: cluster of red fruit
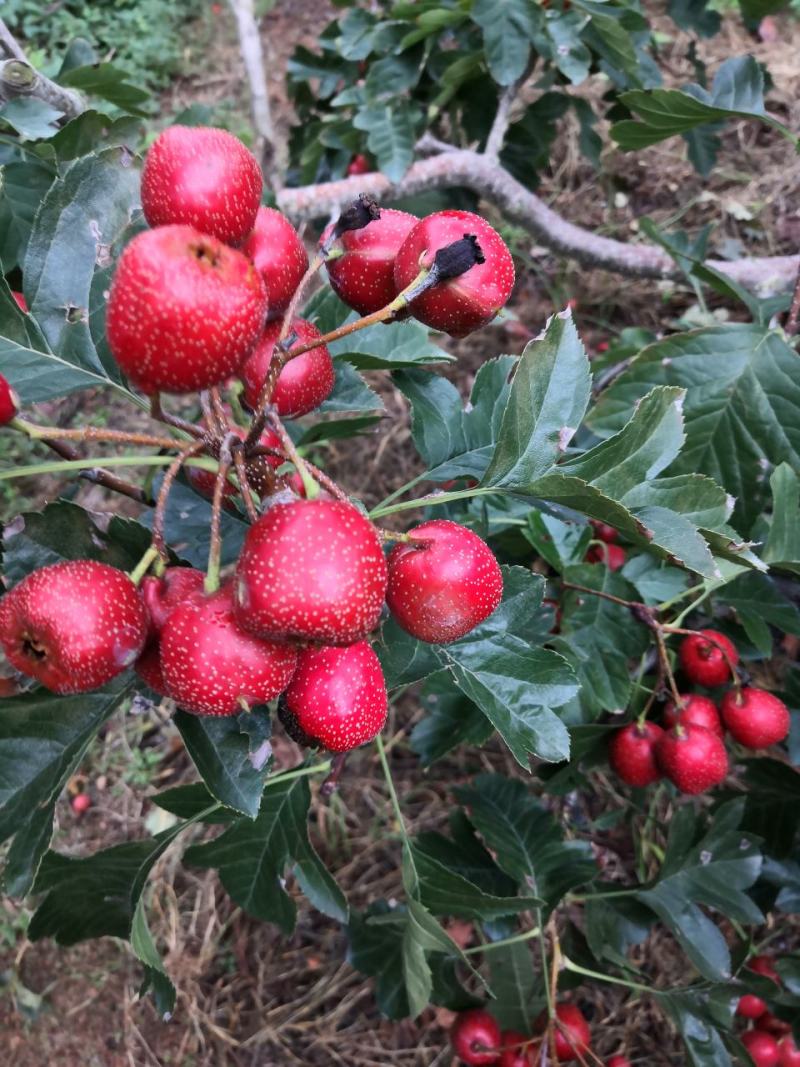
column 769, row 1041
column 478, row 1040
column 690, row 748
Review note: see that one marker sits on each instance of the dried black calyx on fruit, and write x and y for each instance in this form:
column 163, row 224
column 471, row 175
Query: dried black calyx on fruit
column 361, row 212
column 457, row 258
column 289, row 722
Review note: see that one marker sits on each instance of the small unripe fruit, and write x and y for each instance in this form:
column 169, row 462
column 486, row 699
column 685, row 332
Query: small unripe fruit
column 21, row 302
column 465, row 303
column 9, row 404
column 211, row 667
column 697, row 709
column 692, row 758
column 763, row 1048
column 632, row 753
column 443, row 583
column 358, row 165
column 788, row 1052
column 755, row 718
column 311, row 570
column 303, row 383
column 363, row 276
column 81, row 803
column 202, row 177
column 751, row 1007
column 518, row 1050
column 475, row 1037
column 279, row 256
column 184, row 310
column 704, row 661
column 604, row 531
column 613, row 556
column 338, row 696
column 73, row 626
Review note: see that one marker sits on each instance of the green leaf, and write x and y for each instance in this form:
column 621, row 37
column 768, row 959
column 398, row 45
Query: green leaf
column 742, row 400
column 252, row 856
column 191, row 801
column 232, row 755
column 22, row 189
column 350, row 392
column 528, row 843
column 782, row 548
column 508, row 27
column 390, row 137
column 757, row 595
column 91, row 130
column 187, row 526
column 568, row 52
column 513, row 979
column 32, row 119
column 444, row 891
column 81, row 217
column 336, row 429
column 463, row 853
column 43, row 739
column 451, row 720
column 695, row 15
column 614, row 924
column 381, row 347
column 699, row 1017
column 715, row 872
column 559, row 543
column 548, row 399
column 376, row 949
column 108, row 82
column 156, row 977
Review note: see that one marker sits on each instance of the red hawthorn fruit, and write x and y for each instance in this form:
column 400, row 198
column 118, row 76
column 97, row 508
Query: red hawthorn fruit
column 751, row 1006
column 363, row 277
column 203, row 481
column 632, row 753
column 338, row 696
column 700, row 710
column 518, row 1050
column 463, row 304
column 776, row 1026
column 311, row 570
column 161, row 596
column 788, row 1052
column 203, row 177
column 73, row 626
column 604, row 532
column 211, row 667
column 475, row 1037
column 279, row 256
column 613, row 556
column 572, row 1033
column 184, row 310
column 358, row 165
column 703, row 662
column 22, row 303
column 754, row 717
column 303, row 383
column 763, row 1048
column 9, row 404
column 764, row 965
column 81, row 803
column 619, row 1061
column 443, row 587
column 693, row 758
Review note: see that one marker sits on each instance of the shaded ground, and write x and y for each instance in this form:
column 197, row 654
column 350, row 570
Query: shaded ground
column 249, row 996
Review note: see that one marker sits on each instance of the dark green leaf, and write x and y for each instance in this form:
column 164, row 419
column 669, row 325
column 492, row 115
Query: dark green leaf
column 513, row 980
column 783, row 543
column 350, row 392
column 90, row 130
column 559, row 543
column 377, row 950
column 508, row 27
column 156, row 977
column 187, row 526
column 445, row 891
column 23, row 188
column 390, row 137
column 190, row 801
column 757, row 595
column 614, row 925
column 695, row 15
column 451, row 720
column 32, row 119
column 108, row 82
column 699, row 1017
column 382, row 347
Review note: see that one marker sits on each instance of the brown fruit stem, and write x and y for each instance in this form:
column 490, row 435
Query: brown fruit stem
column 158, row 413
column 288, row 316
column 311, row 487
column 244, row 484
column 99, row 476
column 331, row 783
column 328, row 483
column 193, row 449
column 92, row 433
column 211, row 584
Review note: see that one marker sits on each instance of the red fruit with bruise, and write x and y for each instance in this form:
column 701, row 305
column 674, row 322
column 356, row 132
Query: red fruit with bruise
column 697, row 709
column 605, row 532
column 703, row 662
column 475, row 1037
column 465, row 303
column 22, row 303
column 9, row 404
column 358, row 165
column 81, row 803
column 211, row 666
column 693, row 758
column 755, row 718
column 632, row 753
column 363, row 277
column 518, row 1050
column 613, row 556
column 161, row 596
column 303, row 383
column 279, row 256
column 572, row 1033
column 202, row 177
column 311, row 570
column 788, row 1052
column 73, row 626
column 763, row 1048
column 442, row 588
column 184, row 310
column 338, row 696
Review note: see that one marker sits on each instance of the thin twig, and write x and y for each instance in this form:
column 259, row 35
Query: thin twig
column 98, row 476
column 163, row 494
column 244, row 483
column 10, row 44
column 97, row 434
column 327, row 483
column 158, row 413
column 288, row 446
column 502, row 118
column 215, row 548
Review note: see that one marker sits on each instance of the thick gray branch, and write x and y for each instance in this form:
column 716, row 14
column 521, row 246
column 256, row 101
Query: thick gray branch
column 493, row 183
column 253, row 58
column 19, row 79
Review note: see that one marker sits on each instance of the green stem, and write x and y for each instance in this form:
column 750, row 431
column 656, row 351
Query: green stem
column 551, row 1008
column 429, row 501
column 490, row 946
column 143, row 566
column 576, row 969
column 88, row 462
column 301, row 772
column 399, row 492
column 387, row 774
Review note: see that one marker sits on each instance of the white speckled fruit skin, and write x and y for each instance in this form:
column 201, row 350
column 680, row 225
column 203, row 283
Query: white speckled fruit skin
column 209, row 665
column 279, row 256
column 440, row 592
column 86, row 618
column 161, row 596
column 184, row 310
column 364, row 276
column 338, row 696
column 693, row 758
column 755, row 718
column 204, row 177
column 311, row 570
column 303, row 383
column 463, row 304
